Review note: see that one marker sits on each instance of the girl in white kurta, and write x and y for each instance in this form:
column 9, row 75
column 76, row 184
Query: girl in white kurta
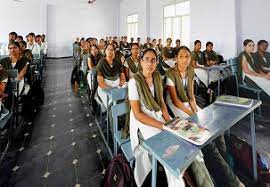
column 109, row 73
column 148, row 120
column 251, row 72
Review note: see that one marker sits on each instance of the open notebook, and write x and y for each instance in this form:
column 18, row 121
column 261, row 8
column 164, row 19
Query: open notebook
column 187, row 130
column 234, row 101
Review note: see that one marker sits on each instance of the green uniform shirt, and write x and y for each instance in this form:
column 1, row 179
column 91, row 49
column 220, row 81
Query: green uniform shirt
column 198, row 57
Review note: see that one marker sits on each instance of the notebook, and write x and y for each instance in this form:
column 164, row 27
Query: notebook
column 234, row 101
column 187, row 130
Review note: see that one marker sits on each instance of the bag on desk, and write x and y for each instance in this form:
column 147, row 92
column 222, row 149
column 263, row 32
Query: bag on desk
column 242, row 154
column 118, row 173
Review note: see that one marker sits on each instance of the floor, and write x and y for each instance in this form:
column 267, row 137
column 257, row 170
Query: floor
column 64, row 147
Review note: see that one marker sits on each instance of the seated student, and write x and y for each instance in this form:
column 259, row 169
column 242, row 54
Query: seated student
column 3, row 81
column 159, row 44
column 19, row 38
column 43, row 47
column 109, row 73
column 262, row 57
column 167, row 61
column 168, row 46
column 93, row 60
column 180, row 85
column 12, row 36
column 132, row 63
column 131, row 41
column 26, row 52
column 177, row 46
column 155, row 46
column 102, row 46
column 139, row 42
column 181, row 100
column 147, row 116
column 118, row 54
column 250, row 73
column 211, row 57
column 15, row 61
column 148, row 44
column 32, row 45
column 124, row 45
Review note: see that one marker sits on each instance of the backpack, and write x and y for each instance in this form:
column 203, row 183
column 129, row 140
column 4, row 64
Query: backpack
column 242, row 156
column 118, row 173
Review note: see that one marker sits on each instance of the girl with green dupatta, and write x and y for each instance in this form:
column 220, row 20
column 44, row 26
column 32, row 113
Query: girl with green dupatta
column 109, row 74
column 262, row 57
column 251, row 73
column 132, row 63
column 181, row 100
column 180, row 85
column 147, row 116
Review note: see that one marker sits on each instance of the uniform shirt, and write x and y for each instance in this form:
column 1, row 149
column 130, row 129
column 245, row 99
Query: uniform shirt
column 198, row 57
column 210, row 55
column 6, row 63
column 34, row 48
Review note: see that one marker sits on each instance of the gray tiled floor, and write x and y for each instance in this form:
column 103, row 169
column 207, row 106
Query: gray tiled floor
column 61, row 151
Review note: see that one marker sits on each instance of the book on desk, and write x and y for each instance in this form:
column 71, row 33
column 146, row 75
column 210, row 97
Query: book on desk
column 187, row 130
column 230, row 100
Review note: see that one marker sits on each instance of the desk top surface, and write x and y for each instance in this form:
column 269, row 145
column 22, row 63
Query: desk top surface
column 176, row 154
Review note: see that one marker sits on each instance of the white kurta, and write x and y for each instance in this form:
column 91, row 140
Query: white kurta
column 142, row 159
column 176, row 111
column 102, row 95
column 263, row 83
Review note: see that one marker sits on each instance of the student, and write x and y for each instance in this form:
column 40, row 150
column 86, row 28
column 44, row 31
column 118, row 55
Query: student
column 167, row 61
column 147, row 116
column 180, row 85
column 159, row 44
column 211, row 57
column 154, row 46
column 26, row 52
column 250, row 73
column 262, row 57
column 124, row 45
column 102, row 46
column 181, row 100
column 177, row 46
column 148, row 44
column 139, row 42
column 15, row 61
column 109, row 73
column 131, row 41
column 197, row 56
column 19, row 38
column 43, row 47
column 12, row 36
column 132, row 63
column 3, row 81
column 32, row 46
column 169, row 46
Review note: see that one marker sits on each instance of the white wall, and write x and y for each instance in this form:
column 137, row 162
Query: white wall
column 79, row 19
column 128, row 7
column 22, row 17
column 254, row 21
column 216, row 22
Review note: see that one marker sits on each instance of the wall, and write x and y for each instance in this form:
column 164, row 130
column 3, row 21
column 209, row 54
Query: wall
column 22, row 17
column 79, row 19
column 128, row 7
column 254, row 20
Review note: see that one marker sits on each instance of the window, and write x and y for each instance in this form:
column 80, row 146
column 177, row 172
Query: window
column 176, row 22
column 132, row 22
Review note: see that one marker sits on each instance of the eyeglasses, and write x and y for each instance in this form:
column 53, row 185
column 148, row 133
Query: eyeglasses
column 152, row 60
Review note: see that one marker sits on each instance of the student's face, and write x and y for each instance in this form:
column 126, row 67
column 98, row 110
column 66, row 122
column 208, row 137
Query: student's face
column 94, row 50
column 209, row 47
column 263, row 47
column 135, row 50
column 13, row 49
column 198, row 46
column 132, row 39
column 102, row 43
column 178, row 43
column 250, row 47
column 149, row 63
column 22, row 47
column 148, row 40
column 159, row 41
column 11, row 38
column 38, row 40
column 30, row 38
column 138, row 40
column 169, row 42
column 183, row 58
column 154, row 42
column 125, row 39
column 86, row 45
column 110, row 51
